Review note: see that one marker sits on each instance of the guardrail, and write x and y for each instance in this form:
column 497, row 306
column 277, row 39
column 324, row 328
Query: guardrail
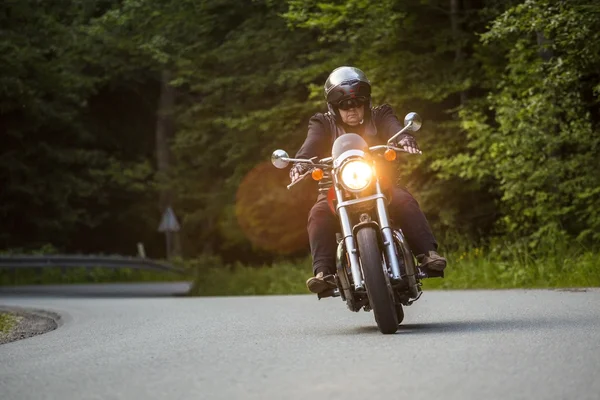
column 67, row 261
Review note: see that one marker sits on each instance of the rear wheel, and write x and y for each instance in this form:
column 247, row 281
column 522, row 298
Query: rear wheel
column 380, row 294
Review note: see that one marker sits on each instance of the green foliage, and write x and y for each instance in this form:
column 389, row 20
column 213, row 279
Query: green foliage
column 239, row 280
column 58, row 174
column 508, row 266
column 7, row 321
column 508, row 91
column 41, row 91
column 536, row 132
column 501, row 266
column 234, row 116
column 416, row 67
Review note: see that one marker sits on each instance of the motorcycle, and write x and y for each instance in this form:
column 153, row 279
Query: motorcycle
column 375, row 268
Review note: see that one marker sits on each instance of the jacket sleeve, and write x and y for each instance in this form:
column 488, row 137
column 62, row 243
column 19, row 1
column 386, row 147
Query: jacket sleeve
column 387, row 122
column 318, row 140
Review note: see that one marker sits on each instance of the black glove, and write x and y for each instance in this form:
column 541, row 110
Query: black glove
column 408, row 143
column 297, row 170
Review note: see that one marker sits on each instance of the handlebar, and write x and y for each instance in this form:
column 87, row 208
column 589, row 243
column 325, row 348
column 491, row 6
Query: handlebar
column 325, row 162
column 304, row 175
column 384, row 147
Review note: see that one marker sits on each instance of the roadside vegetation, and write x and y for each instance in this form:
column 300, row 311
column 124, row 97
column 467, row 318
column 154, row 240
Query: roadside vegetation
column 114, row 110
column 500, row 268
column 495, row 267
column 475, row 270
column 7, row 321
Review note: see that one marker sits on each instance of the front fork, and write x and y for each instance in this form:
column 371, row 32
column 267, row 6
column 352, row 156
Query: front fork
column 386, row 232
column 388, row 235
column 349, row 242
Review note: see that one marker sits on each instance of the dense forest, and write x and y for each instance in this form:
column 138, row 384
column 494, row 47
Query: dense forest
column 113, row 110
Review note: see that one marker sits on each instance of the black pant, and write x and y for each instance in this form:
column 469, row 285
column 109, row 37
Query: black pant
column 404, row 212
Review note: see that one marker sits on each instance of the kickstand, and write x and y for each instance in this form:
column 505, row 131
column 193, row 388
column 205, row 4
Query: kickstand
column 417, row 298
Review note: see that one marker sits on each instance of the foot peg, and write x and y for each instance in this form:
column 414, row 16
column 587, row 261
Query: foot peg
column 329, row 293
column 425, row 272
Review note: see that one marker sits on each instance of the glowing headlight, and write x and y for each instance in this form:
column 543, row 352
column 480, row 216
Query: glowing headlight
column 356, row 175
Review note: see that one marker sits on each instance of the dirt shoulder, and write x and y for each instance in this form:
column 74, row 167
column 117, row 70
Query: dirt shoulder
column 23, row 323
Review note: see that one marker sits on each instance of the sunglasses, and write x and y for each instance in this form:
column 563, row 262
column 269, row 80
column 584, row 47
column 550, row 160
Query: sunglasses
column 352, row 103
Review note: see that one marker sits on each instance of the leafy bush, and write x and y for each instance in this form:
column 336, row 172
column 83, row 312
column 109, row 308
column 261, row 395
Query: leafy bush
column 498, row 267
column 7, row 321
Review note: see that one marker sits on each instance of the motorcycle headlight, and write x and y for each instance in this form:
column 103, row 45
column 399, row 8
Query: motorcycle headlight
column 356, row 175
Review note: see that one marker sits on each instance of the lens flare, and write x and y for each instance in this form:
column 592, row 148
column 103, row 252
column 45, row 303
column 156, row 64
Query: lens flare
column 272, row 217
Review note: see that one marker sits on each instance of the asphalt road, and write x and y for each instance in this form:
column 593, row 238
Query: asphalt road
column 537, row 344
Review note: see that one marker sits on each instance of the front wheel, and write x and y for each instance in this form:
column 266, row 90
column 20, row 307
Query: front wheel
column 380, row 295
column 399, row 313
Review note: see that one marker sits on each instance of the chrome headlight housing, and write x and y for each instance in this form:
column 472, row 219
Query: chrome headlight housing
column 356, row 175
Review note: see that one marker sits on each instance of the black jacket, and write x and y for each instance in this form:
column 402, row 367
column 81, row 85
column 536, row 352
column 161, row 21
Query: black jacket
column 323, row 130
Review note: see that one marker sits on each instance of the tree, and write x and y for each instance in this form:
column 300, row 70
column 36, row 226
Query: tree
column 536, row 133
column 419, row 56
column 58, row 177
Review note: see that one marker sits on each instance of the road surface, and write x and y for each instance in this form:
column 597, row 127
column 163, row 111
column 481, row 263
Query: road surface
column 533, row 344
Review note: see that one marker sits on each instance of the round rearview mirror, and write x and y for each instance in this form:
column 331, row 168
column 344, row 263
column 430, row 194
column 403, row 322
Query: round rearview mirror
column 415, row 119
column 278, row 158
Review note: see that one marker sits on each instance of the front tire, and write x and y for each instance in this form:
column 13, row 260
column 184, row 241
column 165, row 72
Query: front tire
column 399, row 313
column 380, row 295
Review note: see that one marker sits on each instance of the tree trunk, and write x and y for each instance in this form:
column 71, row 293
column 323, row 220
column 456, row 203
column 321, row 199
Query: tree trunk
column 164, row 134
column 544, row 44
column 458, row 52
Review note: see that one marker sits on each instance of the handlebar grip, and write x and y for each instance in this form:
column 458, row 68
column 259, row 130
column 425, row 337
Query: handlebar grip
column 304, row 175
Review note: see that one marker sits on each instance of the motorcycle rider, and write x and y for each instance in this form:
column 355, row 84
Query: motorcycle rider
column 348, row 95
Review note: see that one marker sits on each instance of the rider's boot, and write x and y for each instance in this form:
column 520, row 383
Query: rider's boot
column 432, row 263
column 321, row 283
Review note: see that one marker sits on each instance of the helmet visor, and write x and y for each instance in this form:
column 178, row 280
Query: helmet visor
column 351, row 103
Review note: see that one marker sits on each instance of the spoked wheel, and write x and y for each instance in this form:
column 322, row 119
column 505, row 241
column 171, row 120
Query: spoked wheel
column 380, row 294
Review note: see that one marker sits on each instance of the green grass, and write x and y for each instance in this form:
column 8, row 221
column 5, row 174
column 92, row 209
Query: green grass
column 7, row 321
column 500, row 266
column 280, row 278
column 474, row 269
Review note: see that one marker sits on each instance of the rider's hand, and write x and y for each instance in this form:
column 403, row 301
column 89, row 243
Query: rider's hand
column 408, row 143
column 296, row 171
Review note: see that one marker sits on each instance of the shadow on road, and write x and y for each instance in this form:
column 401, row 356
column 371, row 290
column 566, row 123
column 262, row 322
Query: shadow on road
column 463, row 327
